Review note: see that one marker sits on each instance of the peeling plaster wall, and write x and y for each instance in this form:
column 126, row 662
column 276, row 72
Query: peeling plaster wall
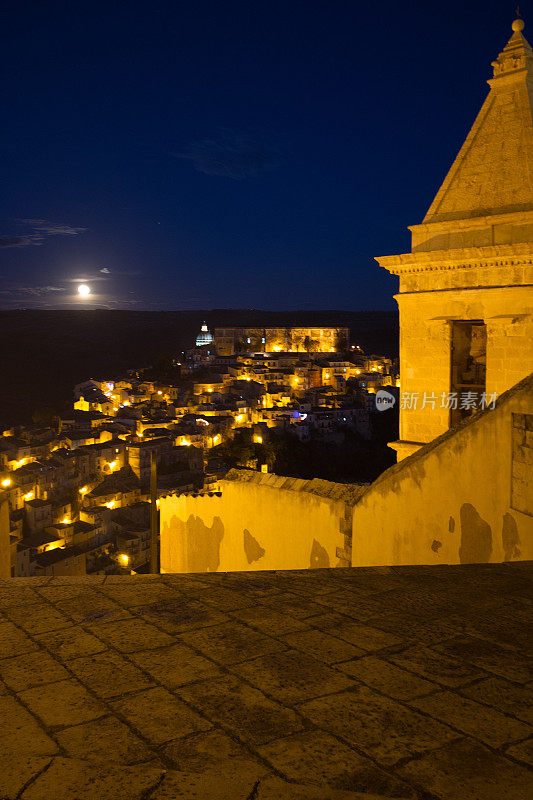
column 5, row 548
column 457, row 499
column 259, row 522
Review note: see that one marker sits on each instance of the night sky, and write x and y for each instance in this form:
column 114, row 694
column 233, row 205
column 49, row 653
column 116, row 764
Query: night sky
column 219, row 153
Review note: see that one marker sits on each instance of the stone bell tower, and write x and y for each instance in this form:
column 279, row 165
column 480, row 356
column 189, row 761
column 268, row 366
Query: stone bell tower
column 466, row 287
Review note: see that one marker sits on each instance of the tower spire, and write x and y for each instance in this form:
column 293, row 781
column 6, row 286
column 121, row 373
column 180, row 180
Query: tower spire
column 491, row 173
column 517, row 54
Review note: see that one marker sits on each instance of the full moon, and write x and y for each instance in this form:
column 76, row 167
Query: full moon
column 84, row 290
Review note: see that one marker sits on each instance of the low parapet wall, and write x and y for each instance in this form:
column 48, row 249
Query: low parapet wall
column 258, row 522
column 466, row 497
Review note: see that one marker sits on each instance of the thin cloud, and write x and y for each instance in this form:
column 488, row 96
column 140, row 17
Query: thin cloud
column 106, row 271
column 41, row 229
column 53, row 228
column 235, row 155
column 31, row 291
column 86, row 279
column 21, row 241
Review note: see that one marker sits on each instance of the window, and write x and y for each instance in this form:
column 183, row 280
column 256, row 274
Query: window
column 468, row 367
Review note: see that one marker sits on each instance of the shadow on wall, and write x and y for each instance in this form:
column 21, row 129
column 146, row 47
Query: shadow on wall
column 319, row 556
column 201, row 543
column 252, row 548
column 510, row 538
column 476, row 537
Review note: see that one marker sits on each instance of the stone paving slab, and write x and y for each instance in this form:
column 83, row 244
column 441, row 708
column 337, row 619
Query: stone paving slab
column 310, row 685
column 465, row 770
column 292, row 677
column 381, row 727
column 503, row 695
column 110, row 674
column 387, row 678
column 318, row 757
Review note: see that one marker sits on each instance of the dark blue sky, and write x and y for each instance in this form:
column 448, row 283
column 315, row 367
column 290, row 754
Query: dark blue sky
column 219, row 153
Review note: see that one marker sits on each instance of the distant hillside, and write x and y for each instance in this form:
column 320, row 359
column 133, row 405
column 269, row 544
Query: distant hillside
column 45, row 353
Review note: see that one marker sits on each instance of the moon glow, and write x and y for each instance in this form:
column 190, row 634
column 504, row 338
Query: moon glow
column 84, row 290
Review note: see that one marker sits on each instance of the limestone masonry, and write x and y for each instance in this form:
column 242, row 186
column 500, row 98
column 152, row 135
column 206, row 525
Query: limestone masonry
column 466, row 289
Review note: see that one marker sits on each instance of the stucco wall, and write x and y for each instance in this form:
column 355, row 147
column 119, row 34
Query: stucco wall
column 5, row 549
column 452, row 502
column 258, row 522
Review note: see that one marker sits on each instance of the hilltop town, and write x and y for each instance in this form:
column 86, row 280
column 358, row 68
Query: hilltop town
column 79, row 488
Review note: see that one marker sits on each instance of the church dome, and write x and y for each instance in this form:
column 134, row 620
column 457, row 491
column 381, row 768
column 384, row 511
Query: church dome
column 204, row 337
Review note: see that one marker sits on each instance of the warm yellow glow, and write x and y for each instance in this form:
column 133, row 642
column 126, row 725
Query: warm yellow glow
column 84, row 290
column 239, row 418
column 52, row 547
column 159, row 392
column 296, row 380
column 65, row 521
column 209, row 390
column 216, row 439
column 20, row 463
column 248, row 378
column 6, row 482
column 374, row 369
column 125, row 559
column 112, row 464
column 277, row 348
column 111, row 504
column 357, row 371
column 326, row 376
column 83, row 490
column 28, row 496
column 185, row 442
column 258, row 439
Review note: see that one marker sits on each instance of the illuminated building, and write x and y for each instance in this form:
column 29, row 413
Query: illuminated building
column 465, row 295
column 229, row 341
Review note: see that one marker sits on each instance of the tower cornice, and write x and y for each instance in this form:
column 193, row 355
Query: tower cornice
column 500, row 255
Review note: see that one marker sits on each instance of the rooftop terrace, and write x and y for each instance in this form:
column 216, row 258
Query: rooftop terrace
column 327, row 684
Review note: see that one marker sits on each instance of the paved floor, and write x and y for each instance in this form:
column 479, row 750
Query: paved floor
column 326, row 684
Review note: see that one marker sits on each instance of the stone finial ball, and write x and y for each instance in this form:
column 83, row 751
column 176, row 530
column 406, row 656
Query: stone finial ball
column 518, row 25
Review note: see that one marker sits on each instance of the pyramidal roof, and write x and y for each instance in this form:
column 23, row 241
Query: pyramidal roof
column 493, row 172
